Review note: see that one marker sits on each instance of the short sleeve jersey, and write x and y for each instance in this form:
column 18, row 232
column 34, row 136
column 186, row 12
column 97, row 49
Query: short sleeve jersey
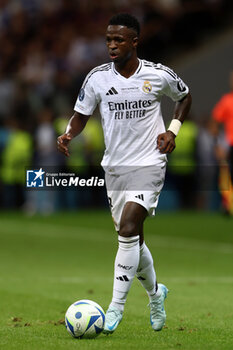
column 130, row 110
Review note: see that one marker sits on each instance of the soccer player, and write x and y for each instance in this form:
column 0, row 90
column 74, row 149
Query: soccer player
column 128, row 92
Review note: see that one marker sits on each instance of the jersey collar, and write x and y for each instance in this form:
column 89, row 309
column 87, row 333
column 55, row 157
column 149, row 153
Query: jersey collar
column 136, row 72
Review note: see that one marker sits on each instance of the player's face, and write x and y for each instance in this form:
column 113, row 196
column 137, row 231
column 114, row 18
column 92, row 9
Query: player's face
column 121, row 43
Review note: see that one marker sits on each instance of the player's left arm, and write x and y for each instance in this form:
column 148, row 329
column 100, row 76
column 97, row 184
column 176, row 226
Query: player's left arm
column 166, row 141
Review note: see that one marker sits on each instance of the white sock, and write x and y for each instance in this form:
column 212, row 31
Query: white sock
column 126, row 264
column 146, row 272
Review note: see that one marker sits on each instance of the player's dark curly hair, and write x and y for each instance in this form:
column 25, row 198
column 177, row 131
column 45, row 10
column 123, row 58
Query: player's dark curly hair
column 127, row 20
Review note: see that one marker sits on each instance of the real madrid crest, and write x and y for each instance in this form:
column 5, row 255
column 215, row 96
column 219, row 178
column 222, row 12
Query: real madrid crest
column 147, row 87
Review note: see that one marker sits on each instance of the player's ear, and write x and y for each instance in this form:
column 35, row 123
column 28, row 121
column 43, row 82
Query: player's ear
column 135, row 42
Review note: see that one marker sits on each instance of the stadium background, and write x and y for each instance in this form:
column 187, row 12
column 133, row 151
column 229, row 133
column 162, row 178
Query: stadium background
column 46, row 50
column 59, row 246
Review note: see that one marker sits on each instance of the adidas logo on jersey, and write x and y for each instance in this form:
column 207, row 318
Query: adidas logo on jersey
column 140, row 196
column 112, row 91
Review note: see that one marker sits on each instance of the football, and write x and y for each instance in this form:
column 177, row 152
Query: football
column 84, row 319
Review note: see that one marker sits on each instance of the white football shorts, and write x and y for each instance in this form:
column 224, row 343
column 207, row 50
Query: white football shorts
column 141, row 185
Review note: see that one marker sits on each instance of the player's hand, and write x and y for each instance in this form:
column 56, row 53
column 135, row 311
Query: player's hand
column 166, row 142
column 63, row 143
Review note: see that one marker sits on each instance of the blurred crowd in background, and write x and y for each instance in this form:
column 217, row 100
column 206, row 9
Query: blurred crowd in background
column 46, row 50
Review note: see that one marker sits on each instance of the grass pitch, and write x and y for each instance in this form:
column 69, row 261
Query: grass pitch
column 47, row 263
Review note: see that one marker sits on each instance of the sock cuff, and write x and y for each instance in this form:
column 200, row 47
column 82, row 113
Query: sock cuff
column 128, row 242
column 128, row 239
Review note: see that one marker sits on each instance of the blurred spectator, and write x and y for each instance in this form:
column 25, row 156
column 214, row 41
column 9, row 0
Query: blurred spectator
column 225, row 183
column 182, row 165
column 45, row 140
column 46, row 157
column 7, row 94
column 223, row 114
column 207, row 165
column 15, row 158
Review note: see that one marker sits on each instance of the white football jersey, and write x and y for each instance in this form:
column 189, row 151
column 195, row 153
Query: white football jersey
column 130, row 110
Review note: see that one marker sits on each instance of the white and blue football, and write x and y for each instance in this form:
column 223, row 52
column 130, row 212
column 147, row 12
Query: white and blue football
column 85, row 319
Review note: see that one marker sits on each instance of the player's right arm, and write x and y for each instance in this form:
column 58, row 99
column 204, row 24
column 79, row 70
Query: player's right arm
column 84, row 108
column 75, row 126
